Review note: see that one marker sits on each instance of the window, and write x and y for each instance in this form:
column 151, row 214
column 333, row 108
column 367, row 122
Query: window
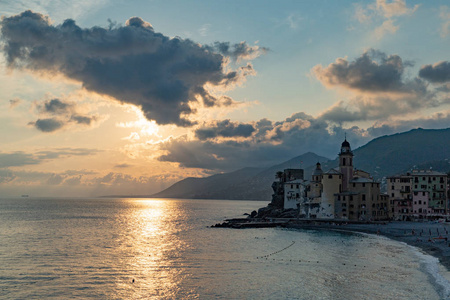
column 292, row 186
column 420, row 201
column 423, row 193
column 354, row 184
column 363, row 196
column 343, row 161
column 296, row 186
column 330, row 176
column 392, row 188
column 364, row 184
column 392, row 195
column 423, row 186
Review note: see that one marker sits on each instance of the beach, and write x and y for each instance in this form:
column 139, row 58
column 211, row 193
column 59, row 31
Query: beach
column 430, row 237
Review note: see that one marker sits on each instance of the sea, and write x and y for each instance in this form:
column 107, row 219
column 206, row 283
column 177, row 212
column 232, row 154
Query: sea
column 128, row 248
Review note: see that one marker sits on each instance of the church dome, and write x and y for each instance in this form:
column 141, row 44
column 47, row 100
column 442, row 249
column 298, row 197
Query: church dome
column 345, row 147
column 318, row 171
column 345, row 144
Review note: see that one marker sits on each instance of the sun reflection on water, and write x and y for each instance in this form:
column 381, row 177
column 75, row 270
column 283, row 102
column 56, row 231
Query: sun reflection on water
column 152, row 249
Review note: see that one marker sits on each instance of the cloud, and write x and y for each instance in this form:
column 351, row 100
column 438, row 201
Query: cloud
column 47, row 125
column 380, row 87
column 274, row 142
column 204, row 29
column 437, row 73
column 239, row 51
column 55, row 106
column 14, row 102
column 122, row 166
column 20, row 158
column 365, row 108
column 384, row 12
column 224, row 129
column 387, row 27
column 445, row 17
column 134, row 64
column 437, row 120
column 66, row 152
column 61, row 114
column 270, row 143
column 394, row 8
column 373, row 71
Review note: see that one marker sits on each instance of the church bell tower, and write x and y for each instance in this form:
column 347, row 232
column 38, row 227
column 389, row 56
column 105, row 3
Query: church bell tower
column 346, row 164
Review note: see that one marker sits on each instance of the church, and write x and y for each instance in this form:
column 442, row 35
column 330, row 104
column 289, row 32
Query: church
column 342, row 193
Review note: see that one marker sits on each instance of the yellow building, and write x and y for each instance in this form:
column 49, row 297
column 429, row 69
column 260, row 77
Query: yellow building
column 346, row 193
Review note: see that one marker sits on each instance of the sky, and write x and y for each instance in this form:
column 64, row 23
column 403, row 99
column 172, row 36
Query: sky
column 114, row 97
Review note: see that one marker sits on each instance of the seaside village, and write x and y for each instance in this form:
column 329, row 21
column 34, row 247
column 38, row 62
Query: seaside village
column 347, row 193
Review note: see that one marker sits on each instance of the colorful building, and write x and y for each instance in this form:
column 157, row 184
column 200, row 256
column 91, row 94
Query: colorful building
column 418, row 194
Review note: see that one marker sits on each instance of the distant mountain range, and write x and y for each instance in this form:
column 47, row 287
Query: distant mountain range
column 383, row 156
column 243, row 184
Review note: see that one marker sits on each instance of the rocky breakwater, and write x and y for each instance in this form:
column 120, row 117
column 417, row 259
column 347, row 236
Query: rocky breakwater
column 272, row 215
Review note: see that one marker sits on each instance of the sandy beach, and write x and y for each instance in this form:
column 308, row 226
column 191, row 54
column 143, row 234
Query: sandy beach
column 433, row 238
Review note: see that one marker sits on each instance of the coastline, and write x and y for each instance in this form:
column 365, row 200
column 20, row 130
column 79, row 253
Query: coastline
column 427, row 236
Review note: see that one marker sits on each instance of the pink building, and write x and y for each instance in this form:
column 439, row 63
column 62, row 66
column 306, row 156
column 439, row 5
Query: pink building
column 420, row 204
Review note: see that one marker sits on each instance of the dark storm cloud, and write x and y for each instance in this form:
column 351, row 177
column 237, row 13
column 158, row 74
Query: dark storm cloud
column 437, row 73
column 133, row 63
column 225, row 129
column 373, row 71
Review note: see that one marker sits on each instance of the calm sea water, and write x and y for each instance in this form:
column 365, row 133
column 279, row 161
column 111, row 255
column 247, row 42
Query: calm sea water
column 164, row 249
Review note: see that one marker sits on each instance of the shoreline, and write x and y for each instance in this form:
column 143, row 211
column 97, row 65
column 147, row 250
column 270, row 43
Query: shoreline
column 427, row 236
column 430, row 237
